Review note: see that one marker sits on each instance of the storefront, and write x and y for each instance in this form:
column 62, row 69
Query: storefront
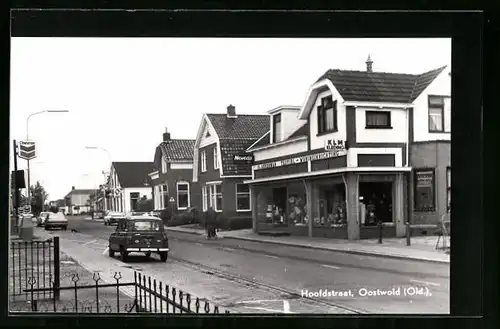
column 302, row 197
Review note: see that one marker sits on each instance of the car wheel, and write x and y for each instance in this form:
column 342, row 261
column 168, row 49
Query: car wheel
column 163, row 256
column 148, row 254
column 111, row 253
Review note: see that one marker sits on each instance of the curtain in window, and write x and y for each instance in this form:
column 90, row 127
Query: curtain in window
column 216, row 197
column 374, row 119
column 329, row 119
column 204, row 200
column 435, row 119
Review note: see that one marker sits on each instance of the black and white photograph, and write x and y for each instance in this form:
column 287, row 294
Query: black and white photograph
column 230, row 175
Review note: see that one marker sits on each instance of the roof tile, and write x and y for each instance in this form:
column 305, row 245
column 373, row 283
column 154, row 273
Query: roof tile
column 133, row 174
column 178, row 149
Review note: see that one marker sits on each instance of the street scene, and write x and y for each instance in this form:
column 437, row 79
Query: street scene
column 339, row 204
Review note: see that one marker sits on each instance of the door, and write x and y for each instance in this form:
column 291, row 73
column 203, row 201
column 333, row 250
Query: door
column 280, row 204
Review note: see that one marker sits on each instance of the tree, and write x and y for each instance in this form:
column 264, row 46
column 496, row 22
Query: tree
column 38, row 198
column 145, row 204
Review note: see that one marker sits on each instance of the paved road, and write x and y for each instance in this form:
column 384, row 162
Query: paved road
column 297, row 270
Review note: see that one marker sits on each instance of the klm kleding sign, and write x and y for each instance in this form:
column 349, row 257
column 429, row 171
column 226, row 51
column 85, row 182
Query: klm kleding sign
column 301, row 159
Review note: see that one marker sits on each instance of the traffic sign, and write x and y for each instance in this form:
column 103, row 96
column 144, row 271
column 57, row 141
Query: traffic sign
column 172, row 199
column 27, row 150
column 118, row 192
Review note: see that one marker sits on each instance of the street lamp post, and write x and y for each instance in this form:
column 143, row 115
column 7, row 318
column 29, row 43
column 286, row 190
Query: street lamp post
column 28, row 137
column 105, row 183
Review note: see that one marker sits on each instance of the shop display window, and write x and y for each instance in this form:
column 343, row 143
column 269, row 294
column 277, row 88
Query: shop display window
column 297, row 210
column 331, row 206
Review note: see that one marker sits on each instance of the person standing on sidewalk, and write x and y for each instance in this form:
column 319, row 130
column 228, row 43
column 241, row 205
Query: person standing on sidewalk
column 210, row 218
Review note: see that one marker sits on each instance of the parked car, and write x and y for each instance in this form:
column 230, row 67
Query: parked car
column 56, row 220
column 113, row 218
column 139, row 234
column 42, row 217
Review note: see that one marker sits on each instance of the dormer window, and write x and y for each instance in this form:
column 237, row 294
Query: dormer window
column 277, row 128
column 327, row 116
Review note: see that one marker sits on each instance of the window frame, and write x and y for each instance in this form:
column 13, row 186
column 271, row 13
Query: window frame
column 216, row 157
column 419, row 208
column 213, row 196
column 435, row 107
column 187, row 192
column 275, row 121
column 203, row 160
column 240, row 194
column 204, row 195
column 131, row 198
column 321, row 115
column 369, row 126
column 448, row 189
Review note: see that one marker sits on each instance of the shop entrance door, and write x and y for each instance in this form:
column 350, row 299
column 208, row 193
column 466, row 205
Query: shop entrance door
column 280, row 203
column 377, row 198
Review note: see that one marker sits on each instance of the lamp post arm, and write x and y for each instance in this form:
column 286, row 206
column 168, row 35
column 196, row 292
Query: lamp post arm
column 28, row 122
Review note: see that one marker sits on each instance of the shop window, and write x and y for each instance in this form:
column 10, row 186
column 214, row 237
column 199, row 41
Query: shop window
column 424, row 180
column 242, row 197
column 215, row 193
column 376, row 203
column 297, row 211
column 276, row 206
column 216, row 158
column 327, row 116
column 182, row 195
column 378, row 119
column 134, row 199
column 448, row 189
column 436, row 114
column 277, row 128
column 203, row 160
column 204, row 195
column 332, row 206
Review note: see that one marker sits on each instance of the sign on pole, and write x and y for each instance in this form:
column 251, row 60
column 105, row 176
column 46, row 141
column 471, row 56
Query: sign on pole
column 27, row 150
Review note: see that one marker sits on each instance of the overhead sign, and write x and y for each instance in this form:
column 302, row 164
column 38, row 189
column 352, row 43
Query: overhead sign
column 27, row 150
column 297, row 160
column 243, row 158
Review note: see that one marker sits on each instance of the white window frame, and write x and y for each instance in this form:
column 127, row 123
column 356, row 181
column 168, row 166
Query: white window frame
column 164, row 166
column 240, row 194
column 213, row 196
column 203, row 161
column 188, row 195
column 162, row 192
column 216, row 157
column 204, row 195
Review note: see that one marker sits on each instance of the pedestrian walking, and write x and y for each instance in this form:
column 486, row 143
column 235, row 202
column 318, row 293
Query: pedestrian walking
column 210, row 219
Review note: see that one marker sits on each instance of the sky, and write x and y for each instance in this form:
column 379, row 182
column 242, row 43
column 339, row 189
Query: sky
column 122, row 94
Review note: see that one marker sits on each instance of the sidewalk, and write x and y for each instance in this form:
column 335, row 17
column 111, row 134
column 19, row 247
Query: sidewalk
column 421, row 248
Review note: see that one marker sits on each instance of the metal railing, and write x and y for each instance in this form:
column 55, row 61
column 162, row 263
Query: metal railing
column 150, row 296
column 34, row 259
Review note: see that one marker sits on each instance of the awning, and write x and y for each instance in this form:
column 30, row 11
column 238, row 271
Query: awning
column 312, row 174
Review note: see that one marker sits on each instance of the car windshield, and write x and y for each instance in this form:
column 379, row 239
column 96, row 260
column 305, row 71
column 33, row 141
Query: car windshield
column 44, row 214
column 147, row 225
column 56, row 216
column 116, row 214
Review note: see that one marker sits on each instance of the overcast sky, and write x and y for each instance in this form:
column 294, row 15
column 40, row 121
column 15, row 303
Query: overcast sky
column 122, row 93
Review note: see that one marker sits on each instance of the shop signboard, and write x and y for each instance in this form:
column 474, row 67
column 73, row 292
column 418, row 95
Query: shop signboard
column 424, row 190
column 336, row 145
column 27, row 150
column 300, row 159
column 243, row 158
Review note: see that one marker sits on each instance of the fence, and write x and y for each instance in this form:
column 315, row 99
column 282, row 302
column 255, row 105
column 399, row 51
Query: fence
column 148, row 296
column 37, row 260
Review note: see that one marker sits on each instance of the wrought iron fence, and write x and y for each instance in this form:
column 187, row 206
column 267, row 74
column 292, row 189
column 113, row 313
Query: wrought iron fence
column 37, row 260
column 146, row 295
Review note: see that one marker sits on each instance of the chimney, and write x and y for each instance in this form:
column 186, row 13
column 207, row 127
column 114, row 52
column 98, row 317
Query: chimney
column 166, row 135
column 369, row 63
column 72, row 188
column 231, row 111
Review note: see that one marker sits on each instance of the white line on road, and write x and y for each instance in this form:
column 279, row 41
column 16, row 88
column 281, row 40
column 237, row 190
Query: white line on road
column 286, row 307
column 105, row 251
column 331, row 266
column 426, row 283
column 260, row 301
column 89, row 242
column 229, row 249
column 271, row 256
column 264, row 309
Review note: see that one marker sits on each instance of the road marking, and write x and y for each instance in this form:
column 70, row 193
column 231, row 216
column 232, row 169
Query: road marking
column 89, row 242
column 286, row 307
column 264, row 309
column 426, row 283
column 105, row 251
column 228, row 249
column 271, row 256
column 260, row 301
column 331, row 266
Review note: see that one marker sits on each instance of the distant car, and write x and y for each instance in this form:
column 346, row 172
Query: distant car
column 56, row 220
column 113, row 218
column 42, row 217
column 136, row 213
column 143, row 234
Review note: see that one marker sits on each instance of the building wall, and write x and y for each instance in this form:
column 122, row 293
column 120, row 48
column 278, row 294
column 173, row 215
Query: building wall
column 353, row 153
column 126, row 195
column 279, row 150
column 398, row 133
column 435, row 155
column 79, row 199
column 210, row 174
column 289, row 122
column 441, row 86
column 229, row 199
column 208, row 140
column 319, row 141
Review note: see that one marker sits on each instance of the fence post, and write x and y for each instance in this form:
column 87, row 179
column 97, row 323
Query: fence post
column 408, row 233
column 57, row 269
